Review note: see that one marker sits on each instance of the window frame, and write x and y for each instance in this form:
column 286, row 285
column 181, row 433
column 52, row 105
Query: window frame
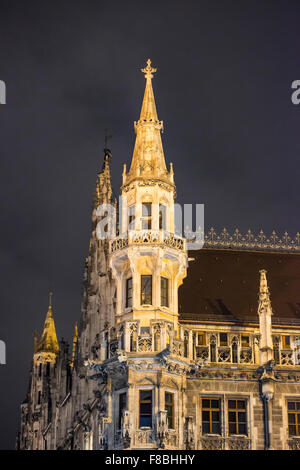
column 203, row 334
column 127, row 298
column 211, row 410
column 284, row 343
column 146, row 218
column 121, row 408
column 171, row 405
column 162, row 216
column 131, row 217
column 140, row 391
column 245, row 344
column 297, row 417
column 142, row 293
column 237, row 410
column 223, row 343
column 167, row 290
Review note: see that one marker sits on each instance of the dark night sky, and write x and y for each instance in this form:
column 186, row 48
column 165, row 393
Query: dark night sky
column 71, row 68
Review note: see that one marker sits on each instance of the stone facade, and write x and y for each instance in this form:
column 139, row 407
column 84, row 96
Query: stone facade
column 142, row 375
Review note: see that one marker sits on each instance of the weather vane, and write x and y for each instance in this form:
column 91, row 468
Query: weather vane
column 148, row 71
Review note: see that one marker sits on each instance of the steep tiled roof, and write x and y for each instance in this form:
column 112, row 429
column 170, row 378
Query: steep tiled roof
column 222, row 285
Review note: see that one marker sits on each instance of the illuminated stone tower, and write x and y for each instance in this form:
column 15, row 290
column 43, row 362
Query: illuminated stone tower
column 148, row 260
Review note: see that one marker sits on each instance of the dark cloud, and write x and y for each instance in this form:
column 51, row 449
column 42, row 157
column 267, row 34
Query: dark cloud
column 72, row 69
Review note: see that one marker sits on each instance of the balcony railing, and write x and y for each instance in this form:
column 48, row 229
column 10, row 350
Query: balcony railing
column 221, row 443
column 148, row 237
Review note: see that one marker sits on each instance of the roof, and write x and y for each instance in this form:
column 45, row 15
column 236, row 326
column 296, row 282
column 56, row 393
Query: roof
column 222, row 286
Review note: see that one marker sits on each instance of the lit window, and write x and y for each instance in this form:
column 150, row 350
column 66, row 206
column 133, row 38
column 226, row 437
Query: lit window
column 169, row 404
column 201, row 339
column 129, row 292
column 245, row 341
column 294, row 417
column 162, row 217
column 223, row 339
column 164, row 292
column 146, row 290
column 286, row 342
column 131, row 218
column 237, row 417
column 146, row 216
column 146, row 408
column 211, row 423
column 122, row 406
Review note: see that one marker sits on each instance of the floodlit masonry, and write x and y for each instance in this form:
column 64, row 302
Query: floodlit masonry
column 175, row 349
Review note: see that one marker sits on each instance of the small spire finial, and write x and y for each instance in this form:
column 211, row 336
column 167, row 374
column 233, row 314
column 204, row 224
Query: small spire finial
column 50, row 299
column 148, row 71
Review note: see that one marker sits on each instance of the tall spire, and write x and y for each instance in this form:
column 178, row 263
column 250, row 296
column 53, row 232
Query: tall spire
column 48, row 341
column 148, row 161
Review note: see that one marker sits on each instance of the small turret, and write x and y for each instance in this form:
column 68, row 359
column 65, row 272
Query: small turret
column 47, row 347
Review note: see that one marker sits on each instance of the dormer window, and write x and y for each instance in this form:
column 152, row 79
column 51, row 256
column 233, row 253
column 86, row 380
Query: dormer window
column 146, row 216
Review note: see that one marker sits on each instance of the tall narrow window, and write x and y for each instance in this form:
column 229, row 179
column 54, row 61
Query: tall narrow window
column 129, row 292
column 145, row 408
column 186, row 344
column 122, row 407
column 211, row 423
column 162, row 217
column 286, row 342
column 131, row 218
column 146, row 216
column 146, row 290
column 169, row 404
column 164, row 292
column 294, row 417
column 48, row 369
column 39, row 398
column 106, row 346
column 234, row 352
column 237, row 417
column 213, row 355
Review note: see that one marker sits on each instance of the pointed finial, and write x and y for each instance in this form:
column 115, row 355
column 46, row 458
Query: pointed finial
column 148, row 71
column 50, row 299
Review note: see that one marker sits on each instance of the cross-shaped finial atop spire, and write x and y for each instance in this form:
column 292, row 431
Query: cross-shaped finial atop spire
column 148, row 71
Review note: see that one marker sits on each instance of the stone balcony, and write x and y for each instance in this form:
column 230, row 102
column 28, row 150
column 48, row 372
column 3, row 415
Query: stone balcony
column 147, row 237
